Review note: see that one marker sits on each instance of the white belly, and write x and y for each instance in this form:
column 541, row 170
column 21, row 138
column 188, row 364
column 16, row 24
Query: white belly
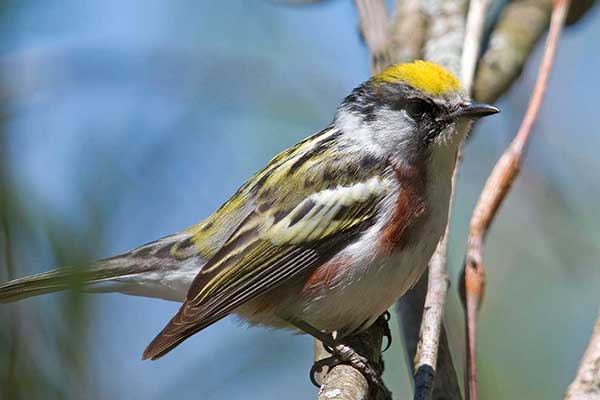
column 371, row 288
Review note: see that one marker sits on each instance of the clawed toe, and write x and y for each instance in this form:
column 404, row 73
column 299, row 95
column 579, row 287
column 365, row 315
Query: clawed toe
column 318, row 366
column 384, row 319
column 344, row 354
column 348, row 355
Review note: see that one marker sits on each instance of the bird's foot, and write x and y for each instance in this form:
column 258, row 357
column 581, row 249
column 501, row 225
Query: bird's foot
column 317, row 368
column 344, row 354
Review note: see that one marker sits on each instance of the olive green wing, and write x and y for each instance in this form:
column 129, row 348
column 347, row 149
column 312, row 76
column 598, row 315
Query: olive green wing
column 269, row 247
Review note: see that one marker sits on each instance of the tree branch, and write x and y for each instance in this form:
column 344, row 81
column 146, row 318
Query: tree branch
column 472, row 45
column 409, row 310
column 586, row 385
column 344, row 382
column 443, row 44
column 445, row 32
column 495, row 191
column 475, row 22
column 521, row 24
column 444, row 41
column 434, row 30
column 431, row 325
column 407, row 33
column 374, row 27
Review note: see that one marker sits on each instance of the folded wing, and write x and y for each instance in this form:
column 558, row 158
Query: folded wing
column 270, row 247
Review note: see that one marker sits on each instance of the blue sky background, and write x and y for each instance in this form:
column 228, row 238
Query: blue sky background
column 126, row 121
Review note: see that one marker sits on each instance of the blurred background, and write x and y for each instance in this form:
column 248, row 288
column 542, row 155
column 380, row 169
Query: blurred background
column 122, row 122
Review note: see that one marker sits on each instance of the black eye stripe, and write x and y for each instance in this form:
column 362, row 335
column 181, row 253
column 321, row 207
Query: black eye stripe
column 415, row 108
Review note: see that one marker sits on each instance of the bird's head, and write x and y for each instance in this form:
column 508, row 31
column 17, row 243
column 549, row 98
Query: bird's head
column 411, row 110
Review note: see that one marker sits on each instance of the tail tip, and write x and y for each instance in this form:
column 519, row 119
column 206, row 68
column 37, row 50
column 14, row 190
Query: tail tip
column 150, row 354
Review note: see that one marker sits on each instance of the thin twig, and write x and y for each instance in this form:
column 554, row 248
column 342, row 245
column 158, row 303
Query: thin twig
column 409, row 310
column 431, row 325
column 495, row 190
column 472, row 45
column 444, row 46
column 586, row 385
column 439, row 29
column 473, row 33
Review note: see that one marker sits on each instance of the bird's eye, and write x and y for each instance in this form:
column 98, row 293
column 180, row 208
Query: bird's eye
column 417, row 108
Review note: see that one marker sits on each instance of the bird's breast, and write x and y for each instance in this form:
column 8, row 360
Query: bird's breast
column 356, row 286
column 351, row 290
column 408, row 209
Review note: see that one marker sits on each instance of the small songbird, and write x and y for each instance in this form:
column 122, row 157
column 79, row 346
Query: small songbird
column 326, row 237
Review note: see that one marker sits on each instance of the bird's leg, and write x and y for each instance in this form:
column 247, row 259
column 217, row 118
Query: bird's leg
column 341, row 353
column 328, row 342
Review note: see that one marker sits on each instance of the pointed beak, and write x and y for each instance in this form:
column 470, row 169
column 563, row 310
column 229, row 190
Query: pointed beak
column 474, row 109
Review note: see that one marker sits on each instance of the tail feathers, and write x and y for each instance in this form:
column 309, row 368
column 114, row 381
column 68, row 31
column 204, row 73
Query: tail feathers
column 165, row 342
column 173, row 334
column 110, row 275
column 62, row 279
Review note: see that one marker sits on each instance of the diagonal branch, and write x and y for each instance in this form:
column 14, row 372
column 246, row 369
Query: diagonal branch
column 518, row 29
column 495, row 191
column 586, row 385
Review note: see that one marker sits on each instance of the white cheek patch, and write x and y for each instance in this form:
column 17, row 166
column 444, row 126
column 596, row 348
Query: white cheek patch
column 319, row 221
column 358, row 134
column 390, row 132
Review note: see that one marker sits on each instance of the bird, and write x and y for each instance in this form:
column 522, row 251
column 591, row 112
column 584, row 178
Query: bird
column 323, row 239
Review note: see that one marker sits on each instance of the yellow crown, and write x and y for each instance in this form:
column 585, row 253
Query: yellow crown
column 422, row 75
